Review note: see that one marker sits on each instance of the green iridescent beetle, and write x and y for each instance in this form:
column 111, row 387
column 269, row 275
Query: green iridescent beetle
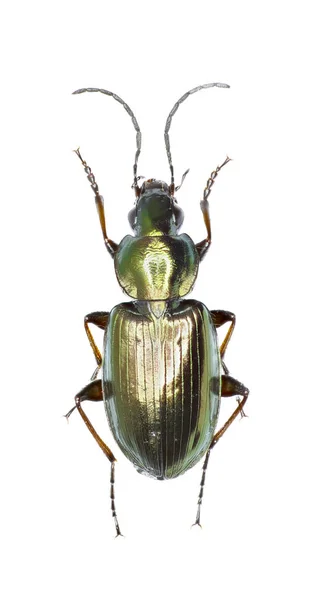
column 163, row 371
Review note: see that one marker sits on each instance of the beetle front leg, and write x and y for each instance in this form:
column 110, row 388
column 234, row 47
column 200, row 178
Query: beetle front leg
column 93, row 391
column 99, row 200
column 203, row 247
column 229, row 387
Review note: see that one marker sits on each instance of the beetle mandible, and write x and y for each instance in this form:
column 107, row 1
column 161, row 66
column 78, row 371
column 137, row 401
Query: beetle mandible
column 163, row 373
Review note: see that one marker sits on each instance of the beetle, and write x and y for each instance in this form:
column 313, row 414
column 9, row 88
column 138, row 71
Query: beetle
column 163, row 372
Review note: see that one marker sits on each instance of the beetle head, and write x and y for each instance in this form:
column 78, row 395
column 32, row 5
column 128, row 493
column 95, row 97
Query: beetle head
column 156, row 211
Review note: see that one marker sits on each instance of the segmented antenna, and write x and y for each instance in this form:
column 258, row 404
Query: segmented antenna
column 134, row 121
column 174, row 110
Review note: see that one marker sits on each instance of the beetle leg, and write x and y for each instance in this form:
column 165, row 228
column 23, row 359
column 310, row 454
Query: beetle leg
column 229, row 387
column 93, row 391
column 110, row 245
column 220, row 317
column 203, row 247
column 100, row 319
column 96, row 397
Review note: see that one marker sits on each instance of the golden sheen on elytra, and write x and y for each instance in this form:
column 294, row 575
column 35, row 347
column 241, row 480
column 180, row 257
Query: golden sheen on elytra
column 161, row 381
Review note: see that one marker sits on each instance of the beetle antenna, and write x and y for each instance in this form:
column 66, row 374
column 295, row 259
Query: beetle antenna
column 169, row 120
column 135, row 124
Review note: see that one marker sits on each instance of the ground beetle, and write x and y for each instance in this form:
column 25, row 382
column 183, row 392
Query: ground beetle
column 163, row 373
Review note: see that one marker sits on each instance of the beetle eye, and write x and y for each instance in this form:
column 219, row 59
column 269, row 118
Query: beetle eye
column 178, row 215
column 132, row 217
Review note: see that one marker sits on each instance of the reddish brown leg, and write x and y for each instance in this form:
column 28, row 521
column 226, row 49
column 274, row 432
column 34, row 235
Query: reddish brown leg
column 99, row 200
column 229, row 387
column 95, row 395
column 93, row 391
column 203, row 247
column 220, row 317
column 100, row 319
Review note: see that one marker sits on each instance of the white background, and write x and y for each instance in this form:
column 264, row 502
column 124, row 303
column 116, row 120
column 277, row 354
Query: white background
column 261, row 535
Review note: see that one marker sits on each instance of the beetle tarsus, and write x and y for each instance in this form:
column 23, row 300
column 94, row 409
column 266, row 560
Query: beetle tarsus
column 112, row 496
column 230, row 387
column 203, row 247
column 88, row 171
column 117, row 527
column 197, row 521
column 202, row 485
column 213, row 176
column 110, row 245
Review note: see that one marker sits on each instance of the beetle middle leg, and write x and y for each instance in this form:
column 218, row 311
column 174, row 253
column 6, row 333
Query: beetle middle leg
column 93, row 391
column 229, row 387
column 219, row 318
column 100, row 319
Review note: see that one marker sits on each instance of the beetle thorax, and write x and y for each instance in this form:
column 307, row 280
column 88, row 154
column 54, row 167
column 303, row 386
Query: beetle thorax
column 157, row 263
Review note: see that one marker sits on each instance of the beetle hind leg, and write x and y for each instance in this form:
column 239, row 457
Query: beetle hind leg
column 93, row 391
column 95, row 395
column 229, row 387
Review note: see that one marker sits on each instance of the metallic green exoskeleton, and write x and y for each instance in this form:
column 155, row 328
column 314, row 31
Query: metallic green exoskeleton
column 163, row 373
column 161, row 383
